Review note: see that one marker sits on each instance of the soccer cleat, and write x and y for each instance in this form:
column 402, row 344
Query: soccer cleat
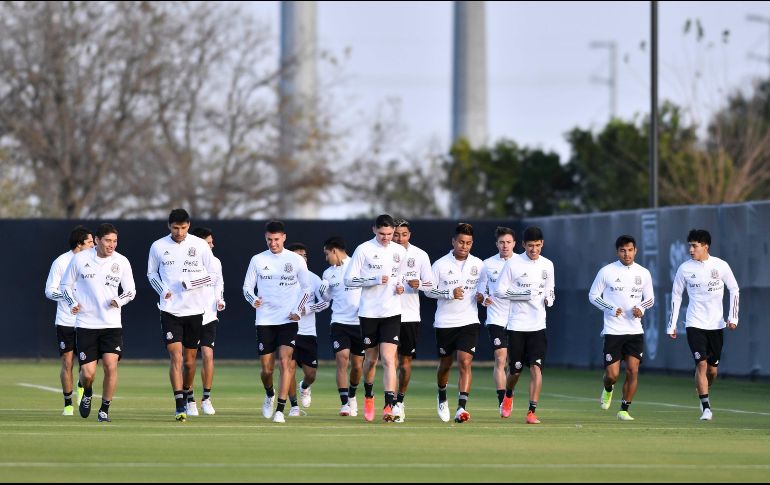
column 267, row 407
column 506, row 407
column 278, row 417
column 103, row 417
column 85, row 407
column 606, row 399
column 369, row 408
column 624, row 416
column 80, row 393
column 387, row 414
column 305, row 397
column 345, row 410
column 294, row 411
column 707, row 415
column 443, row 410
column 192, row 408
column 180, row 416
column 207, row 407
column 68, row 411
column 353, row 406
column 462, row 415
column 531, row 418
column 399, row 412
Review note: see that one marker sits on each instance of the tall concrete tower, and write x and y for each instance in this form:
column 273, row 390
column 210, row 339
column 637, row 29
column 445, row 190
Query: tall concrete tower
column 298, row 104
column 469, row 73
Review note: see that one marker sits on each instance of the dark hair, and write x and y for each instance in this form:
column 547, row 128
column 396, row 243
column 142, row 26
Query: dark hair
column 384, row 220
column 297, row 246
column 401, row 222
column 532, row 234
column 274, row 227
column 334, row 242
column 78, row 236
column 700, row 236
column 504, row 231
column 178, row 216
column 464, row 229
column 623, row 240
column 202, row 232
column 104, row 229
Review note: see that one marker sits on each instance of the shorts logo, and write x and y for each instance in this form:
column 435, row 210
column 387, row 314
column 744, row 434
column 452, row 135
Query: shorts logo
column 117, row 349
column 539, row 362
column 293, row 342
column 315, row 362
column 415, row 350
column 61, row 345
column 518, row 365
column 638, row 280
column 545, row 274
column 336, row 344
column 410, row 262
column 288, row 268
column 696, row 355
column 395, row 339
column 474, row 271
column 82, row 356
column 261, row 347
column 715, row 274
column 367, row 341
column 497, row 341
column 191, row 252
column 115, row 268
column 169, row 335
column 442, row 351
column 641, row 354
column 396, row 258
column 716, row 363
column 213, row 343
column 473, row 349
column 608, row 357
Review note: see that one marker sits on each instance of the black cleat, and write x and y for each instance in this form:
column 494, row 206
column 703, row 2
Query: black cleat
column 85, row 406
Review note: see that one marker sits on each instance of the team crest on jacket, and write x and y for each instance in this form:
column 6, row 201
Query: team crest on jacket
column 474, row 271
column 288, row 268
column 116, row 268
column 545, row 274
column 410, row 262
column 191, row 252
column 396, row 258
column 714, row 274
column 637, row 280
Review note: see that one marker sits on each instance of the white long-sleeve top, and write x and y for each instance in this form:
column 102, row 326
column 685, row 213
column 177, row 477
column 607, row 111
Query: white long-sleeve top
column 626, row 287
column 315, row 304
column 369, row 263
column 172, row 266
column 529, row 284
column 417, row 268
column 64, row 317
column 499, row 311
column 705, row 282
column 95, row 281
column 216, row 294
column 345, row 299
column 448, row 274
column 282, row 281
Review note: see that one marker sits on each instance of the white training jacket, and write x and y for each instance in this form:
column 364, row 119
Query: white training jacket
column 530, row 285
column 626, row 287
column 448, row 274
column 499, row 311
column 64, row 317
column 369, row 263
column 345, row 299
column 282, row 281
column 417, row 268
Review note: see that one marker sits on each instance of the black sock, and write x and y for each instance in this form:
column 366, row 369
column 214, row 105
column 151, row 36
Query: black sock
column 533, row 406
column 181, row 403
column 442, row 394
column 624, row 405
column 206, row 394
column 79, row 384
column 269, row 391
column 400, row 397
column 303, row 385
column 293, row 401
column 67, row 399
column 281, row 405
column 509, row 393
column 352, row 390
column 105, row 406
column 89, row 391
column 609, row 388
column 704, row 400
column 463, row 401
column 500, row 396
column 343, row 395
column 190, row 395
column 368, row 390
column 390, row 398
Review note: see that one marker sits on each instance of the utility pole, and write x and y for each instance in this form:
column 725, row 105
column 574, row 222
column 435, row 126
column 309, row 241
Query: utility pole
column 752, row 17
column 654, row 104
column 612, row 80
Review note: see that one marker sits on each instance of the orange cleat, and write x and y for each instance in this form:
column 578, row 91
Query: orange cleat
column 506, row 407
column 387, row 414
column 532, row 419
column 369, row 409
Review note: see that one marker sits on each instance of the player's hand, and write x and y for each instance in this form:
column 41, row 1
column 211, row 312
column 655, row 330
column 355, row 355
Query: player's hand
column 414, row 284
column 399, row 289
column 458, row 293
column 487, row 301
column 672, row 334
column 258, row 303
column 731, row 325
column 167, row 296
column 637, row 313
column 75, row 309
column 479, row 298
column 114, row 304
column 618, row 312
column 294, row 317
column 220, row 305
column 385, row 279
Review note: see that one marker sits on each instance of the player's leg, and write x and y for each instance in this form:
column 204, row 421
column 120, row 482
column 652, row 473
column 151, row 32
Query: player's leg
column 110, row 367
column 65, row 375
column 287, row 367
column 207, row 378
column 442, row 378
column 464, row 366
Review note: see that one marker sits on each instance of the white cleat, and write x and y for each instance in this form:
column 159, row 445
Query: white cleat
column 707, row 415
column 267, row 407
column 294, row 411
column 305, row 397
column 443, row 410
column 345, row 410
column 207, row 407
column 278, row 417
column 399, row 413
column 353, row 406
column 192, row 409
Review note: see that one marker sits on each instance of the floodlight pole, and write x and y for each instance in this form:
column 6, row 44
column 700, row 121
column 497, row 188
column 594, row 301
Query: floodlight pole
column 654, row 104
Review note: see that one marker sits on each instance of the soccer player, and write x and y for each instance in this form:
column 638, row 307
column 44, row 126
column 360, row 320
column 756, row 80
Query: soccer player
column 498, row 310
column 90, row 286
column 459, row 278
column 377, row 267
column 80, row 239
column 277, row 285
column 704, row 277
column 306, row 347
column 180, row 268
column 345, row 329
column 216, row 303
column 528, row 280
column 623, row 292
column 417, row 277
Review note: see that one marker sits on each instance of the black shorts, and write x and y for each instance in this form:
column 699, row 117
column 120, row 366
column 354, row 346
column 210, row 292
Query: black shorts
column 347, row 337
column 706, row 345
column 92, row 343
column 270, row 337
column 209, row 334
column 181, row 329
column 306, row 350
column 407, row 339
column 498, row 337
column 526, row 348
column 66, row 338
column 380, row 330
column 618, row 347
column 465, row 338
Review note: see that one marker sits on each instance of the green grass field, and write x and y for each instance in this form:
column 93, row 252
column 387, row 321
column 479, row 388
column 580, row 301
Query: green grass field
column 576, row 441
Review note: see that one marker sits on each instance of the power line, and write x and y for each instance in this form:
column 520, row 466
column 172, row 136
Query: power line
column 752, row 17
column 612, row 80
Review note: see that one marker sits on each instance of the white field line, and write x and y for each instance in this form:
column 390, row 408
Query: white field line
column 53, row 389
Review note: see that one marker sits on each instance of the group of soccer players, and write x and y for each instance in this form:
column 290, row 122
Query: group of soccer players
column 374, row 297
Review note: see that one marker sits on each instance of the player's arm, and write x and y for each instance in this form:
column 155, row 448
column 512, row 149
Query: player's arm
column 53, row 283
column 735, row 296
column 676, row 302
column 306, row 288
column 219, row 287
column 648, row 294
column 426, row 273
column 128, row 286
column 153, row 274
column 353, row 278
column 596, row 293
column 437, row 292
column 67, row 288
column 482, row 286
column 250, row 284
column 318, row 304
column 505, row 288
column 550, row 286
